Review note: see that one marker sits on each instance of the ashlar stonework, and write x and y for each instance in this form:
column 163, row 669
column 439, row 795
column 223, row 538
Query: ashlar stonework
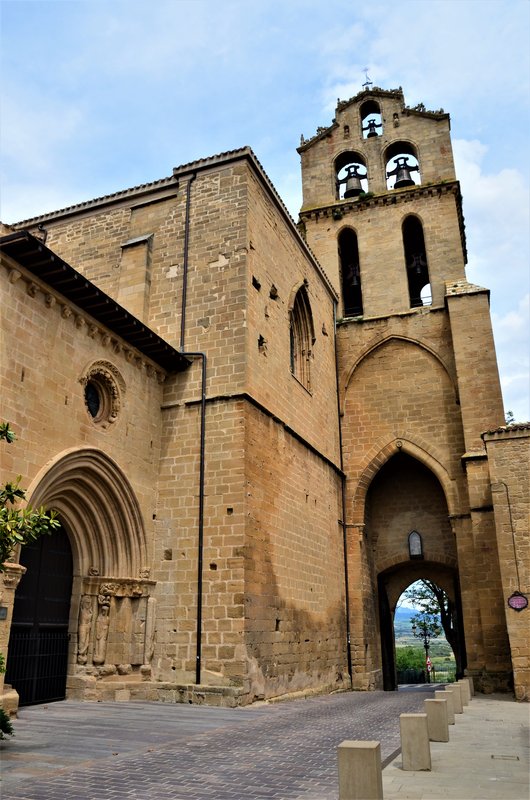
column 241, row 421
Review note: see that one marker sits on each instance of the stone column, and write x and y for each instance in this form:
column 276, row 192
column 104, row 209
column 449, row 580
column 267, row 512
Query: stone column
column 9, row 580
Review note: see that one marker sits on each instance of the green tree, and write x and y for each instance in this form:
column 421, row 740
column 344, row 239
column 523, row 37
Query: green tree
column 409, row 658
column 19, row 526
column 433, row 602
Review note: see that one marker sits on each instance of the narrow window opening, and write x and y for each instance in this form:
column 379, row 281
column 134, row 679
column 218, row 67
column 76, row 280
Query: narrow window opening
column 351, row 176
column 255, row 283
column 416, row 263
column 402, row 166
column 371, row 119
column 415, row 545
column 352, row 296
column 302, row 337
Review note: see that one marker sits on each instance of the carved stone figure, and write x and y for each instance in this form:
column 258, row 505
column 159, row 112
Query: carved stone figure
column 150, row 631
column 83, row 631
column 102, row 629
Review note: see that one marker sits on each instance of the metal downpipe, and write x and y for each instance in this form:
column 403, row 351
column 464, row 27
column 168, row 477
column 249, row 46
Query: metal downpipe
column 343, row 494
column 202, row 356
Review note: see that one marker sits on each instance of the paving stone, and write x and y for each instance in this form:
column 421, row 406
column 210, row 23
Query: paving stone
column 282, row 751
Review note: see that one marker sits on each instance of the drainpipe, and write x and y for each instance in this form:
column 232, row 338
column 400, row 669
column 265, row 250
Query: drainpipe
column 343, row 493
column 200, row 543
column 202, row 356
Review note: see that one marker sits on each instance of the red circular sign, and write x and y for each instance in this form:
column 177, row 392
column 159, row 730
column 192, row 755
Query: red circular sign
column 518, row 601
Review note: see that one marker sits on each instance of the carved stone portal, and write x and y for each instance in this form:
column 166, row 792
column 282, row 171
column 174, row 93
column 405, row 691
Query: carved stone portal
column 116, row 626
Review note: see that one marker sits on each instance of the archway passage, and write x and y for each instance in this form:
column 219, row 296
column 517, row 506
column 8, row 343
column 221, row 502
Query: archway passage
column 391, row 585
column 38, row 644
column 404, row 498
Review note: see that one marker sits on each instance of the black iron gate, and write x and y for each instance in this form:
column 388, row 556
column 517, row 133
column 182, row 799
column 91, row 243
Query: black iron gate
column 38, row 644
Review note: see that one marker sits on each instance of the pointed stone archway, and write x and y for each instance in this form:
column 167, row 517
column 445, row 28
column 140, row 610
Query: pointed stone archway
column 391, row 584
column 112, row 611
column 398, row 494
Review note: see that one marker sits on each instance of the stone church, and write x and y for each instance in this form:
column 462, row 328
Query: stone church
column 256, row 434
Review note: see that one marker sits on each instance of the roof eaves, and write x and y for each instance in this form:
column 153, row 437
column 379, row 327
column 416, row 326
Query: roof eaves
column 44, row 264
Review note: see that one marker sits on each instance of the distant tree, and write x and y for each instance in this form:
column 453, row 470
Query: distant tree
column 409, row 658
column 19, row 526
column 509, row 417
column 432, row 602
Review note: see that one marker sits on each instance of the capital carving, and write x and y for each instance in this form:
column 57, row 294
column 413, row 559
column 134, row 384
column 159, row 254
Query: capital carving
column 11, row 575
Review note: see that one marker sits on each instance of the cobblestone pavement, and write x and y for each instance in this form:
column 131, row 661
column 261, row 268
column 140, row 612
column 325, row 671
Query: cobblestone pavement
column 153, row 751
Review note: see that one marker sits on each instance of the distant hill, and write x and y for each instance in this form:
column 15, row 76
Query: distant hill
column 403, row 614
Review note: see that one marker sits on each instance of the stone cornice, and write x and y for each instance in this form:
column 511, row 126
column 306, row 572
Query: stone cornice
column 339, row 209
column 85, row 324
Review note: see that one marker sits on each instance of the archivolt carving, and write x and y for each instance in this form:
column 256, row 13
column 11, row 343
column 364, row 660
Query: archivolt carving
column 121, row 589
column 98, row 508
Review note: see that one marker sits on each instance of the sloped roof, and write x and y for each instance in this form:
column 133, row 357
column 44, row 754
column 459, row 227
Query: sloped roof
column 169, row 184
column 48, row 267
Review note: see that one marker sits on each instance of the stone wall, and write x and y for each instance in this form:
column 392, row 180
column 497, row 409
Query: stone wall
column 98, row 473
column 509, row 462
column 295, row 629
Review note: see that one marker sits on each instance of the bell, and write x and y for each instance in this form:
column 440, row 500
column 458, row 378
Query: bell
column 371, row 128
column 403, row 178
column 353, row 182
column 402, row 173
column 355, row 277
column 418, row 263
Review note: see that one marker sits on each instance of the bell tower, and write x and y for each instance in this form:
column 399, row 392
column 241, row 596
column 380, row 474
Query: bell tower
column 418, row 379
column 385, row 173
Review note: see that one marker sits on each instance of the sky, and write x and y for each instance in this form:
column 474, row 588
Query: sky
column 102, row 95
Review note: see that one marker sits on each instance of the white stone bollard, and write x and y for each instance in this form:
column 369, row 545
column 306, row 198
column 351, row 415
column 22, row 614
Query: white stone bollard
column 448, row 697
column 360, row 774
column 469, row 679
column 457, row 697
column 437, row 722
column 415, row 747
column 466, row 693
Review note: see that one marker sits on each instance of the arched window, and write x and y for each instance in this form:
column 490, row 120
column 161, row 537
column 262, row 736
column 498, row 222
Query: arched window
column 416, row 262
column 352, row 296
column 402, row 163
column 351, row 177
column 371, row 119
column 415, row 545
column 302, row 337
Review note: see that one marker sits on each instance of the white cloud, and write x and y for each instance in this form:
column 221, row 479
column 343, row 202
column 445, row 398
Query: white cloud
column 496, row 211
column 512, row 337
